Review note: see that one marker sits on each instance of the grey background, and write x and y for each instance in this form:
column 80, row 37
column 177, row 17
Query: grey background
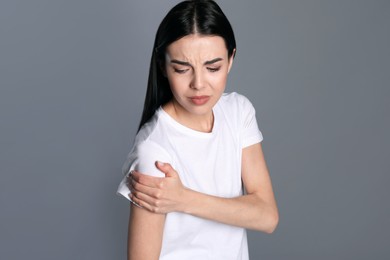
column 73, row 77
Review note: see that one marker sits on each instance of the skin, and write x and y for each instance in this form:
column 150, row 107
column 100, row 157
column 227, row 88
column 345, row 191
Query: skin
column 197, row 66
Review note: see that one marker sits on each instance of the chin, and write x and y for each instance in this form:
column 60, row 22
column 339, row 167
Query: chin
column 200, row 111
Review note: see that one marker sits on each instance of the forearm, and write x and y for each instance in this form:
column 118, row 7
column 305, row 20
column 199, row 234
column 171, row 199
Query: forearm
column 248, row 211
column 257, row 210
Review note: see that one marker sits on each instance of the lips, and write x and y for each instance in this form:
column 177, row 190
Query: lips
column 199, row 100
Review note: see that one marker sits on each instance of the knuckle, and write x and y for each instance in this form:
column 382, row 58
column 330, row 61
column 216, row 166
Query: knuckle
column 161, row 185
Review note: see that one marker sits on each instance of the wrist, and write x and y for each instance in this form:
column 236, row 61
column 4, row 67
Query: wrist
column 185, row 199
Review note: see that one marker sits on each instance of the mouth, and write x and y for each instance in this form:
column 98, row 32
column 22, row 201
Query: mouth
column 199, row 100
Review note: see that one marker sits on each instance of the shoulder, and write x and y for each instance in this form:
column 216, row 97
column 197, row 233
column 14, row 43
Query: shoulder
column 148, row 129
column 235, row 100
column 147, row 149
column 143, row 157
column 151, row 137
column 236, row 105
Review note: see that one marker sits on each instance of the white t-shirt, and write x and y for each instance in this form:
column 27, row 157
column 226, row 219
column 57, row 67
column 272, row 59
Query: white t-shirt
column 206, row 162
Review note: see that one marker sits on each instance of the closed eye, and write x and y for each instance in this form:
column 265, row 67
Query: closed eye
column 181, row 71
column 214, row 69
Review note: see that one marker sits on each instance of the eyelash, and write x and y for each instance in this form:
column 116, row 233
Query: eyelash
column 209, row 69
column 213, row 69
column 180, row 71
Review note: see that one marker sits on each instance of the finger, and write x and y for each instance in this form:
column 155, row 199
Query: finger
column 138, row 187
column 145, row 201
column 129, row 178
column 147, row 180
column 140, row 203
column 166, row 168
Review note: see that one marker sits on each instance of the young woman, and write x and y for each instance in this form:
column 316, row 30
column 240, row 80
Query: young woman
column 197, row 148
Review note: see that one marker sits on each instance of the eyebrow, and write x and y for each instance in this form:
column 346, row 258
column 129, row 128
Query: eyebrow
column 184, row 63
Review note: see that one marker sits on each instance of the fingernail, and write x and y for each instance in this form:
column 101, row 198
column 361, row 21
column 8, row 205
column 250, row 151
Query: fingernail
column 160, row 163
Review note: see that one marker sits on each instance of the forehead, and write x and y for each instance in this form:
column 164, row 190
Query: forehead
column 196, row 46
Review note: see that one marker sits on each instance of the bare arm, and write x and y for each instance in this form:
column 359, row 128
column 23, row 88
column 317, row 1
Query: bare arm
column 145, row 234
column 255, row 210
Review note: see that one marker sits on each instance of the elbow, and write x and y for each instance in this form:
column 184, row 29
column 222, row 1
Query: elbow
column 268, row 222
column 272, row 222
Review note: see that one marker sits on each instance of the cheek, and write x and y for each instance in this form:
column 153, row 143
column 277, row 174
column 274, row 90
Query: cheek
column 218, row 81
column 177, row 84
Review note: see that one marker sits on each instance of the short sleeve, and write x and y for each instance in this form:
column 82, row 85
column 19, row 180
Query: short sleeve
column 142, row 159
column 250, row 133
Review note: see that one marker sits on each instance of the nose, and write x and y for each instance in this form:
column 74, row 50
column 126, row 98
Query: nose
column 197, row 82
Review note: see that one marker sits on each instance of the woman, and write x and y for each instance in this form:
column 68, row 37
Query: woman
column 196, row 148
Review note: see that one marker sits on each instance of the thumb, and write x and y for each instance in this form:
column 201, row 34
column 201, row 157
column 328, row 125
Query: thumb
column 166, row 168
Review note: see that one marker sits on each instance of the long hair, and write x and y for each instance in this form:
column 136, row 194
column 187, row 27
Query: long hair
column 203, row 17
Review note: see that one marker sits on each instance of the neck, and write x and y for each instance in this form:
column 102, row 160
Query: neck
column 201, row 123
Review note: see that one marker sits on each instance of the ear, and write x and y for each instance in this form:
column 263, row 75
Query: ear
column 231, row 58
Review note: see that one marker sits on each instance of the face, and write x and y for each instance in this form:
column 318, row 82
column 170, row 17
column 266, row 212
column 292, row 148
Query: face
column 197, row 68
